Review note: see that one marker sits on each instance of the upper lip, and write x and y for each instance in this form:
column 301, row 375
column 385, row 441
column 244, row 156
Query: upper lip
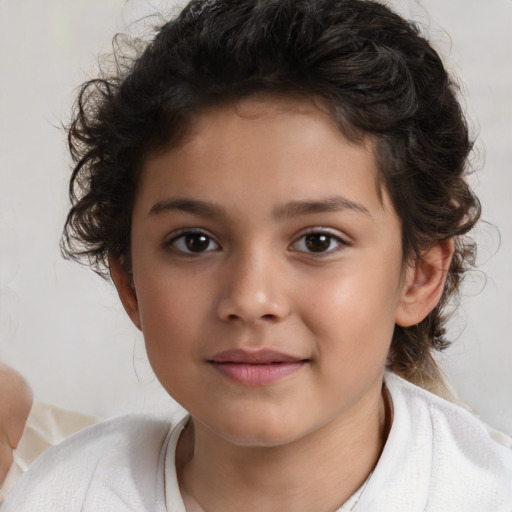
column 254, row 357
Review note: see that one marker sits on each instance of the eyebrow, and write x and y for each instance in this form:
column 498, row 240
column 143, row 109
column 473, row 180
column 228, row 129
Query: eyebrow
column 330, row 204
column 291, row 209
column 194, row 206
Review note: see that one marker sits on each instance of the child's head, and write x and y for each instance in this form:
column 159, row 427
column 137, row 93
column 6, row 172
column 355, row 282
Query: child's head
column 371, row 71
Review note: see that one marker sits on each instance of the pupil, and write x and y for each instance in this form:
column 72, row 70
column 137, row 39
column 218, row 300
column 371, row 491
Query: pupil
column 197, row 242
column 318, row 242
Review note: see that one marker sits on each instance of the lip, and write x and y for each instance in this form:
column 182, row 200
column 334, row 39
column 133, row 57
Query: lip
column 260, row 368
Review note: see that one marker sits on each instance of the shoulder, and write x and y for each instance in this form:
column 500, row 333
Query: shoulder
column 451, row 449
column 447, row 419
column 99, row 468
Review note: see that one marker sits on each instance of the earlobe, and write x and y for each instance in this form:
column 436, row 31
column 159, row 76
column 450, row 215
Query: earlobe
column 424, row 284
column 125, row 288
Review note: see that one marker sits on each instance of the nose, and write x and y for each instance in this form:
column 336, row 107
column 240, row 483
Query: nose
column 253, row 291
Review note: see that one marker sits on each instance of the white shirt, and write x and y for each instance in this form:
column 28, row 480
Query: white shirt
column 438, row 457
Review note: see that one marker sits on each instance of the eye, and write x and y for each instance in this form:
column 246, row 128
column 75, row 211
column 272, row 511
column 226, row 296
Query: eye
column 193, row 242
column 318, row 242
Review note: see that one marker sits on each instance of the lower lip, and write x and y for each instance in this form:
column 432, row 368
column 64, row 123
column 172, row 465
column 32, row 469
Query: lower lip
column 258, row 374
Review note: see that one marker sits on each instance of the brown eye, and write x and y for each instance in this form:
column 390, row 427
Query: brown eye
column 197, row 242
column 194, row 242
column 319, row 242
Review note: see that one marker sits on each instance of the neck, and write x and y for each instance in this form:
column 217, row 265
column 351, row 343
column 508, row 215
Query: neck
column 316, row 473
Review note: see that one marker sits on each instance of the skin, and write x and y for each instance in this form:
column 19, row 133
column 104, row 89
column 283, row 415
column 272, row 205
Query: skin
column 15, row 405
column 271, row 176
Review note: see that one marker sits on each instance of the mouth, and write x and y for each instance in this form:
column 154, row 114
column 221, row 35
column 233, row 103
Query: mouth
column 259, row 368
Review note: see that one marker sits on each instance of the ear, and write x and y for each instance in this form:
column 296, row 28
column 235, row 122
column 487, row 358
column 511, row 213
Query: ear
column 424, row 284
column 126, row 289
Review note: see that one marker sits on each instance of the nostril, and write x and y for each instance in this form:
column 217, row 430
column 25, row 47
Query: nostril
column 233, row 317
column 251, row 307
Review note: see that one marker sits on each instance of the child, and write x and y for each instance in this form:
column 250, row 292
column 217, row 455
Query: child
column 278, row 192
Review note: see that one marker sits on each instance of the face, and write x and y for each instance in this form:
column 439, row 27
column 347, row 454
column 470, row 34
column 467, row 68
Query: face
column 267, row 272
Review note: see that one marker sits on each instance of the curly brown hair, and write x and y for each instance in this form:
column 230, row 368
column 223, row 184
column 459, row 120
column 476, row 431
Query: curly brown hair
column 374, row 70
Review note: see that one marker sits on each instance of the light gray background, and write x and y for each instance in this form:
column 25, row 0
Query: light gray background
column 64, row 328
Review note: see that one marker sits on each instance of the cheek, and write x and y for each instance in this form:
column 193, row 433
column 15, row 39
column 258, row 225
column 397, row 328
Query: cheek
column 170, row 312
column 354, row 314
column 171, row 329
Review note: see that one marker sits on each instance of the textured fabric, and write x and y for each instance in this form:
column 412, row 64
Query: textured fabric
column 438, row 457
column 114, row 466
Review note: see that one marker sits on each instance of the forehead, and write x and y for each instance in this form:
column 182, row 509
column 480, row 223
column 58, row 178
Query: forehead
column 290, row 146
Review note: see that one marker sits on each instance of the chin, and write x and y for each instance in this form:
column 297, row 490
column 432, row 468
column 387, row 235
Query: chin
column 258, row 430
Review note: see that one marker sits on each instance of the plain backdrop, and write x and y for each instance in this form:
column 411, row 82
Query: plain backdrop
column 63, row 327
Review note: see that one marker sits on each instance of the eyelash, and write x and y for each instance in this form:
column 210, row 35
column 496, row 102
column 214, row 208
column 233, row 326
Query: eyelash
column 181, row 235
column 332, row 237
